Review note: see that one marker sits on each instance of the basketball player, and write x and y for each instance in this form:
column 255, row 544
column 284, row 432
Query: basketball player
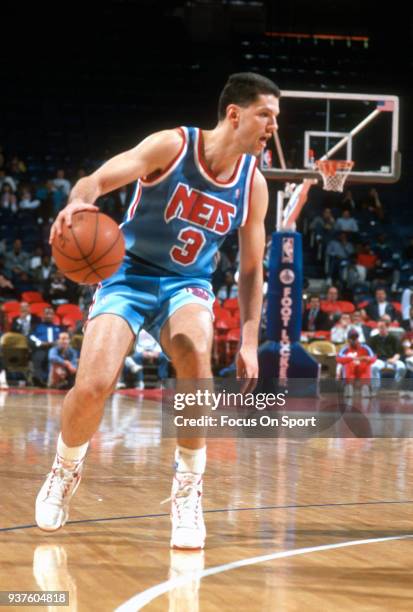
column 193, row 187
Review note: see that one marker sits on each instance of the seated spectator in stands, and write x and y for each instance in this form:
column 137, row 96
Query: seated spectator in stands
column 339, row 331
column 407, row 355
column 356, row 359
column 9, row 207
column 17, row 168
column 367, row 259
column 42, row 273
column 42, row 339
column 331, row 305
column 229, row 289
column 25, row 322
column 62, row 363
column 338, row 254
column 147, row 350
column 408, row 323
column 388, row 350
column 380, row 306
column 7, row 180
column 223, row 265
column 16, row 260
column 346, row 223
column 358, row 324
column 314, row 319
column 347, row 202
column 382, row 248
column 323, row 226
column 59, row 289
column 374, row 204
column 27, row 202
column 35, row 259
column 59, row 191
column 61, row 183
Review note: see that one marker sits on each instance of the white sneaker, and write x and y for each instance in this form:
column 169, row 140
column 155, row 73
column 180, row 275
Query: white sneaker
column 188, row 527
column 348, row 390
column 365, row 391
column 52, row 503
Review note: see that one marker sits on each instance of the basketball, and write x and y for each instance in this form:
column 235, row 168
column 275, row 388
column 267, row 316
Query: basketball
column 91, row 250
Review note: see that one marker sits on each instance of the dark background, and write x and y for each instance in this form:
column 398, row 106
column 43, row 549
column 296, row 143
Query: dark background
column 84, row 81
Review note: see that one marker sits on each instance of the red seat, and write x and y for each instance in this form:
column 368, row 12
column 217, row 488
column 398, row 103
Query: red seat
column 67, row 322
column 32, row 296
column 231, row 304
column 321, row 333
column 397, row 306
column 39, row 307
column 12, row 306
column 71, row 310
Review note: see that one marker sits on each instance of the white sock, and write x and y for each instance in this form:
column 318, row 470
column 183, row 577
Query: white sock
column 71, row 453
column 190, row 459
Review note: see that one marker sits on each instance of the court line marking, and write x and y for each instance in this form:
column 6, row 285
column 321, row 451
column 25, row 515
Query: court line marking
column 248, row 509
column 137, row 602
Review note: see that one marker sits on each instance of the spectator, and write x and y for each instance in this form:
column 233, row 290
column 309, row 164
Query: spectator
column 358, row 325
column 346, row 223
column 338, row 254
column 25, row 322
column 7, row 180
column 229, row 289
column 356, row 359
column 16, row 260
column 27, row 202
column 367, row 259
column 322, row 227
column 406, row 303
column 339, row 331
column 42, row 273
column 62, row 363
column 314, row 319
column 347, row 201
column 147, row 350
column 61, row 183
column 8, row 203
column 408, row 323
column 388, row 350
column 59, row 289
column 380, row 306
column 331, row 305
column 42, row 339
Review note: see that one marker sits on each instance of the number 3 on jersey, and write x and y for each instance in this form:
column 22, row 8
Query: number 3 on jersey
column 193, row 241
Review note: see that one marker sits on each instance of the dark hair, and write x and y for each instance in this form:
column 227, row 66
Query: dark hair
column 243, row 88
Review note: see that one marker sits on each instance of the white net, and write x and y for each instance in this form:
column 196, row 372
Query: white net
column 334, row 173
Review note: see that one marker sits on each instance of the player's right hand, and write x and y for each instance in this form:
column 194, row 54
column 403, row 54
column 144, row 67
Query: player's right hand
column 65, row 216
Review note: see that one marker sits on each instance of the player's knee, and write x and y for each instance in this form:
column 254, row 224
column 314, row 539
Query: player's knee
column 193, row 361
column 93, row 390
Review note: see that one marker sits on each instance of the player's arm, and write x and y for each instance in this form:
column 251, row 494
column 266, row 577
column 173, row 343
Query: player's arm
column 153, row 153
column 250, row 283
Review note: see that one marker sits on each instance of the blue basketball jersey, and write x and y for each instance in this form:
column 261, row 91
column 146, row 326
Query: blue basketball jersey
column 177, row 220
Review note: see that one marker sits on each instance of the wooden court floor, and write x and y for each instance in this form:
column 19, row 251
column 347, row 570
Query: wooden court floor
column 322, row 524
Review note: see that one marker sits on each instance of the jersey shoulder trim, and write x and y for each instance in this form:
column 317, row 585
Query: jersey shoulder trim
column 173, row 164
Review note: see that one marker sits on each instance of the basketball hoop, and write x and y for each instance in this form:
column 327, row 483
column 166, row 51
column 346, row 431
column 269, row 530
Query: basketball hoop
column 334, row 173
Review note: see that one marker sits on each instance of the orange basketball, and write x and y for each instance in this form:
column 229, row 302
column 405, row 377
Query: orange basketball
column 91, row 250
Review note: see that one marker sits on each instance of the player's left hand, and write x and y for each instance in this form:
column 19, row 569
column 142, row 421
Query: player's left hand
column 247, row 368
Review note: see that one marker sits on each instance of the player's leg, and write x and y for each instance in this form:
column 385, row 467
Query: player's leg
column 187, row 338
column 107, row 340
